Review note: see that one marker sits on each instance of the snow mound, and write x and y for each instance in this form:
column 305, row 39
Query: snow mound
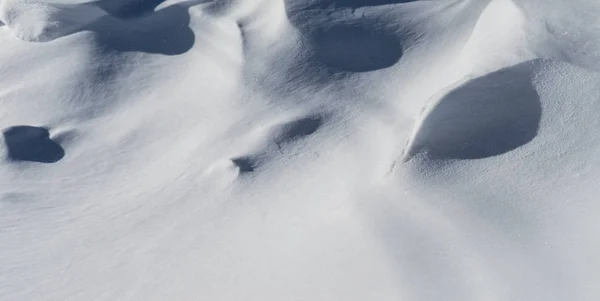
column 39, row 21
column 512, row 42
column 483, row 117
column 308, row 150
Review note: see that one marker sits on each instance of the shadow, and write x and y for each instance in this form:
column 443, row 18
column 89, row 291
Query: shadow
column 118, row 25
column 355, row 3
column 126, row 9
column 296, row 5
column 33, row 144
column 244, row 164
column 487, row 116
column 165, row 31
column 355, row 48
column 299, row 128
column 341, row 40
column 15, row 198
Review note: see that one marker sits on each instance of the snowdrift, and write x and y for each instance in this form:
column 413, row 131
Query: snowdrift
column 299, row 150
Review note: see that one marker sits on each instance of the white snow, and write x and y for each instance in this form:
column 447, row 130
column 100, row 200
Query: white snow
column 299, row 150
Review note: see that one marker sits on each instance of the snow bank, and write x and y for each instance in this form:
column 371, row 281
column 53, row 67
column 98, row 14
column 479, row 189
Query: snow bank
column 299, row 150
column 38, row 21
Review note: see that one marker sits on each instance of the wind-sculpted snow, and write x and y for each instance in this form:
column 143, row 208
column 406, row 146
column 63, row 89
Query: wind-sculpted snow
column 37, row 21
column 483, row 117
column 299, row 150
column 165, row 31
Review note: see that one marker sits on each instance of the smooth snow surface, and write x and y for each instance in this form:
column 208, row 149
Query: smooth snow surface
column 300, row 150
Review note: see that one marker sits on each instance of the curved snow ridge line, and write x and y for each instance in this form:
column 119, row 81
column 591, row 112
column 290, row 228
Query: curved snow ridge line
column 512, row 31
column 456, row 123
column 499, row 39
column 481, row 117
column 408, row 151
column 495, row 51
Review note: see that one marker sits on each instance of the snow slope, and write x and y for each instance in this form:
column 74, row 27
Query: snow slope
column 299, row 150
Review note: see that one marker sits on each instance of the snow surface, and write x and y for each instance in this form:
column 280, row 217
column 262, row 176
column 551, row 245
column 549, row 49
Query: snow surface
column 300, row 150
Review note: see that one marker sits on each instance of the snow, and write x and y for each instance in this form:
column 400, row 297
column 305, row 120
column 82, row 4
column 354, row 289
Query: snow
column 299, row 150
